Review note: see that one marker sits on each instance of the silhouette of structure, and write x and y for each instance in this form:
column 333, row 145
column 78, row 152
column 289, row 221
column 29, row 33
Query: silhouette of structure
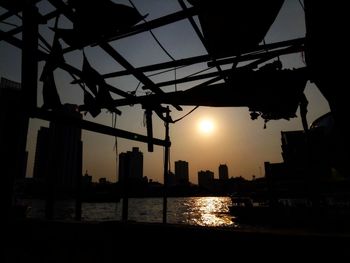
column 58, row 155
column 206, row 179
column 42, row 153
column 181, row 172
column 131, row 166
column 253, row 80
column 87, row 179
column 13, row 128
column 223, row 172
column 306, row 160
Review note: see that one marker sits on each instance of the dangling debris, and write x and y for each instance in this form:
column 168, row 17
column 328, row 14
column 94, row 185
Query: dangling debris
column 50, row 95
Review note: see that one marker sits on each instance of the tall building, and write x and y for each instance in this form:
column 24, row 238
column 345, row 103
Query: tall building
column 223, row 172
column 131, row 165
column 181, row 172
column 205, row 179
column 42, row 152
column 13, row 129
column 59, row 151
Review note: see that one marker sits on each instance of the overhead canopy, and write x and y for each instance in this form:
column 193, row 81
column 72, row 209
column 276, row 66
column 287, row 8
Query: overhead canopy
column 233, row 27
column 273, row 94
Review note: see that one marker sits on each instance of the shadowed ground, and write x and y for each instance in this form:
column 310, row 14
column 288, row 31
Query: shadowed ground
column 43, row 241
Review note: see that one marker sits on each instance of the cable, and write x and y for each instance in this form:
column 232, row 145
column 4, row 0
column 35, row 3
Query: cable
column 186, row 114
column 167, row 70
column 158, row 42
column 155, row 38
column 196, row 73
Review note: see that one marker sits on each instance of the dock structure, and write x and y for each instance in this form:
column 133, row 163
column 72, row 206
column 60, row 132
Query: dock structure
column 252, row 81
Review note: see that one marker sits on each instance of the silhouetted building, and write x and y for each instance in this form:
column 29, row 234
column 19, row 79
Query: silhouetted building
column 223, row 172
column 275, row 171
column 42, row 152
column 181, row 172
column 13, row 129
column 131, row 165
column 59, row 152
column 87, row 179
column 205, row 179
column 294, row 148
column 103, row 180
column 171, row 179
column 306, row 162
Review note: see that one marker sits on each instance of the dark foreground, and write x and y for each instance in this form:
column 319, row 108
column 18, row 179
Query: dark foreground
column 43, row 241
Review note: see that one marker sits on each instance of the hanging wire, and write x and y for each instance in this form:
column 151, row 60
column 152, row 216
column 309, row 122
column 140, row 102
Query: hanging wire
column 158, row 42
column 155, row 38
column 201, row 71
column 167, row 70
column 158, row 73
column 301, row 4
column 175, row 79
column 186, row 114
column 8, row 23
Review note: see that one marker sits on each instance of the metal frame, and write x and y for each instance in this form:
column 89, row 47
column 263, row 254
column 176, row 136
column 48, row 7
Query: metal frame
column 31, row 55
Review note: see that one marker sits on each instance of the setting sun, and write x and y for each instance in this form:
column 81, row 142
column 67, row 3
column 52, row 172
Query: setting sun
column 206, row 126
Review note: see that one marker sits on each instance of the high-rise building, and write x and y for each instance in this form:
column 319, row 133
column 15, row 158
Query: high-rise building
column 181, row 172
column 131, row 165
column 205, row 179
column 59, row 151
column 42, row 152
column 13, row 129
column 223, row 172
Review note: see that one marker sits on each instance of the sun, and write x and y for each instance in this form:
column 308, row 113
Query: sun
column 206, row 126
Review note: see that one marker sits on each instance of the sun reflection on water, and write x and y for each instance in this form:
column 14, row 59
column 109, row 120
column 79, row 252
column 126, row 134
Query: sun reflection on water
column 208, row 211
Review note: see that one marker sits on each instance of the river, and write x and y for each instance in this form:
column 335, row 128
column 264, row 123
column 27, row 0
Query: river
column 203, row 211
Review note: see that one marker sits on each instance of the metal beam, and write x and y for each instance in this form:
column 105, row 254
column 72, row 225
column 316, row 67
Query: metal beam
column 294, row 42
column 206, row 58
column 139, row 75
column 72, row 70
column 95, row 127
column 160, row 66
column 259, row 59
column 158, row 22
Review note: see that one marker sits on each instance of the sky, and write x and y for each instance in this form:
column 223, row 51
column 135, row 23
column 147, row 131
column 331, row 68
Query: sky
column 236, row 140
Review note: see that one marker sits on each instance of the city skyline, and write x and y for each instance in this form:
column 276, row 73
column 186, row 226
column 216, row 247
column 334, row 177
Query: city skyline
column 243, row 144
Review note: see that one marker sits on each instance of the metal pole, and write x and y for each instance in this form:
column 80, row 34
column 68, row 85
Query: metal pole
column 14, row 117
column 166, row 167
column 78, row 201
column 125, row 190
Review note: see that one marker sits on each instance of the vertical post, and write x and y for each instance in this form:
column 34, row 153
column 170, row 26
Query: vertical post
column 30, row 36
column 149, row 129
column 125, row 189
column 14, row 123
column 78, row 210
column 51, row 177
column 166, row 167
